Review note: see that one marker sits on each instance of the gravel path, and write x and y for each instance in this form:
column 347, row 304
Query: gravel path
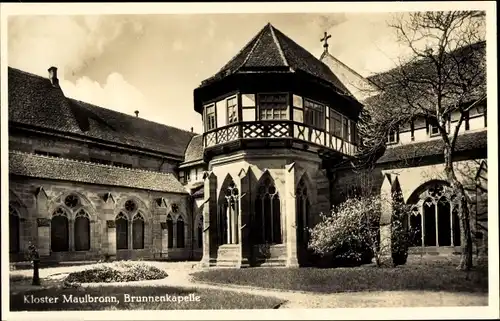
column 179, row 276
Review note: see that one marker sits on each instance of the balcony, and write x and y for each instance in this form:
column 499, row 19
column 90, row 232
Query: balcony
column 280, row 130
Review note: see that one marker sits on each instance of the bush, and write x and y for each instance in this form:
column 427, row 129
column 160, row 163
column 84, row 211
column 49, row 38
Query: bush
column 349, row 236
column 399, row 231
column 124, row 271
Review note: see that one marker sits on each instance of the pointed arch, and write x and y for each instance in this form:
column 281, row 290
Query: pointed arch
column 122, row 221
column 267, row 213
column 81, row 201
column 302, row 209
column 59, row 230
column 138, row 231
column 180, row 233
column 82, row 231
column 228, row 212
column 170, row 231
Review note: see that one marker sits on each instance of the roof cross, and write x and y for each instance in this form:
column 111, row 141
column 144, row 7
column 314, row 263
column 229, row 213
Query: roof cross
column 325, row 40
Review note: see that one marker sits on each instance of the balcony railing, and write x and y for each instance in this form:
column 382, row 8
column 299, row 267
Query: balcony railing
column 276, row 130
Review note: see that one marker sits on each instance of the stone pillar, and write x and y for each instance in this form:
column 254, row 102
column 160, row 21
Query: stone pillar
column 111, row 232
column 43, row 228
column 244, row 216
column 386, row 216
column 71, row 233
column 43, row 222
column 164, row 238
column 290, row 216
column 209, row 220
column 108, row 216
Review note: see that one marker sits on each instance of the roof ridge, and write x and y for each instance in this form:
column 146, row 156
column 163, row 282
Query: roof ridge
column 26, row 72
column 131, row 116
column 258, row 38
column 278, row 44
column 343, row 64
column 88, row 162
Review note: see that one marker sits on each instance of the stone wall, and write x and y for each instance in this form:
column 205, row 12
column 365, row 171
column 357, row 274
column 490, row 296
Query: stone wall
column 37, row 199
column 84, row 151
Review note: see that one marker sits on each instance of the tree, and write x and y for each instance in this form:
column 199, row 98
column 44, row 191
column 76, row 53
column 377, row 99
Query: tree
column 349, row 234
column 444, row 78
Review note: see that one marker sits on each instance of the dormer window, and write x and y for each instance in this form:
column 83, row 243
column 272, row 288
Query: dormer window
column 232, row 110
column 392, row 137
column 210, row 122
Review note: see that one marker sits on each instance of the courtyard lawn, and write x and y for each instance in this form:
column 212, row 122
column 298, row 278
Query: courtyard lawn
column 208, row 299
column 425, row 277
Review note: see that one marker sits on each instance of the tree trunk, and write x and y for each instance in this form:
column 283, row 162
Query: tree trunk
column 463, row 212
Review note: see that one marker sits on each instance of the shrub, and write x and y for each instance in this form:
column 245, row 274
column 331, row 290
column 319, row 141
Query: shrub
column 349, row 235
column 123, row 271
column 400, row 236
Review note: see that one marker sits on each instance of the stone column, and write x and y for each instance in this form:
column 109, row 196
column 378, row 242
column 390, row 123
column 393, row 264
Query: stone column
column 71, row 233
column 164, row 238
column 244, row 213
column 43, row 228
column 386, row 216
column 209, row 220
column 111, row 232
column 43, row 222
column 108, row 216
column 290, row 216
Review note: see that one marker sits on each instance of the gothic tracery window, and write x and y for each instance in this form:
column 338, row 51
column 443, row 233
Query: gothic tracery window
column 138, row 231
column 59, row 231
column 71, row 201
column 14, row 230
column 82, row 231
column 434, row 219
column 121, row 231
column 302, row 210
column 180, row 232
column 227, row 219
column 170, row 232
column 267, row 213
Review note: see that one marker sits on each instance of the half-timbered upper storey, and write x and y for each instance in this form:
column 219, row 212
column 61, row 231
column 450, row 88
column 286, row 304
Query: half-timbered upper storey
column 275, row 93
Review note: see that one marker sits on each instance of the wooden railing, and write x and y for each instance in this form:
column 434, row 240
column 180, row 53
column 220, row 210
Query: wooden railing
column 275, row 130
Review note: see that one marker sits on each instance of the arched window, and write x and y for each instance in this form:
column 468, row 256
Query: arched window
column 444, row 222
column 121, row 231
column 14, row 230
column 71, row 201
column 434, row 216
column 429, row 222
column 180, row 232
column 138, row 232
column 228, row 213
column 59, row 231
column 170, row 231
column 82, row 231
column 302, row 212
column 199, row 231
column 267, row 213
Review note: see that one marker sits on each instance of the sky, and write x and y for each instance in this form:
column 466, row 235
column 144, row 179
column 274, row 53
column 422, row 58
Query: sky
column 152, row 63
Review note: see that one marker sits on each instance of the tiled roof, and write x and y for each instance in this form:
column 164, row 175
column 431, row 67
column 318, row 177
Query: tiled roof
column 359, row 87
column 272, row 50
column 55, row 168
column 471, row 57
column 34, row 101
column 198, row 191
column 465, row 142
column 194, row 150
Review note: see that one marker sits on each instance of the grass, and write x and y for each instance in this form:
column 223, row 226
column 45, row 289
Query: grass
column 208, row 299
column 423, row 277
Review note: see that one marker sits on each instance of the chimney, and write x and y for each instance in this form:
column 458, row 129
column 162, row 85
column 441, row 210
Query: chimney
column 53, row 76
column 192, row 129
column 136, row 113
